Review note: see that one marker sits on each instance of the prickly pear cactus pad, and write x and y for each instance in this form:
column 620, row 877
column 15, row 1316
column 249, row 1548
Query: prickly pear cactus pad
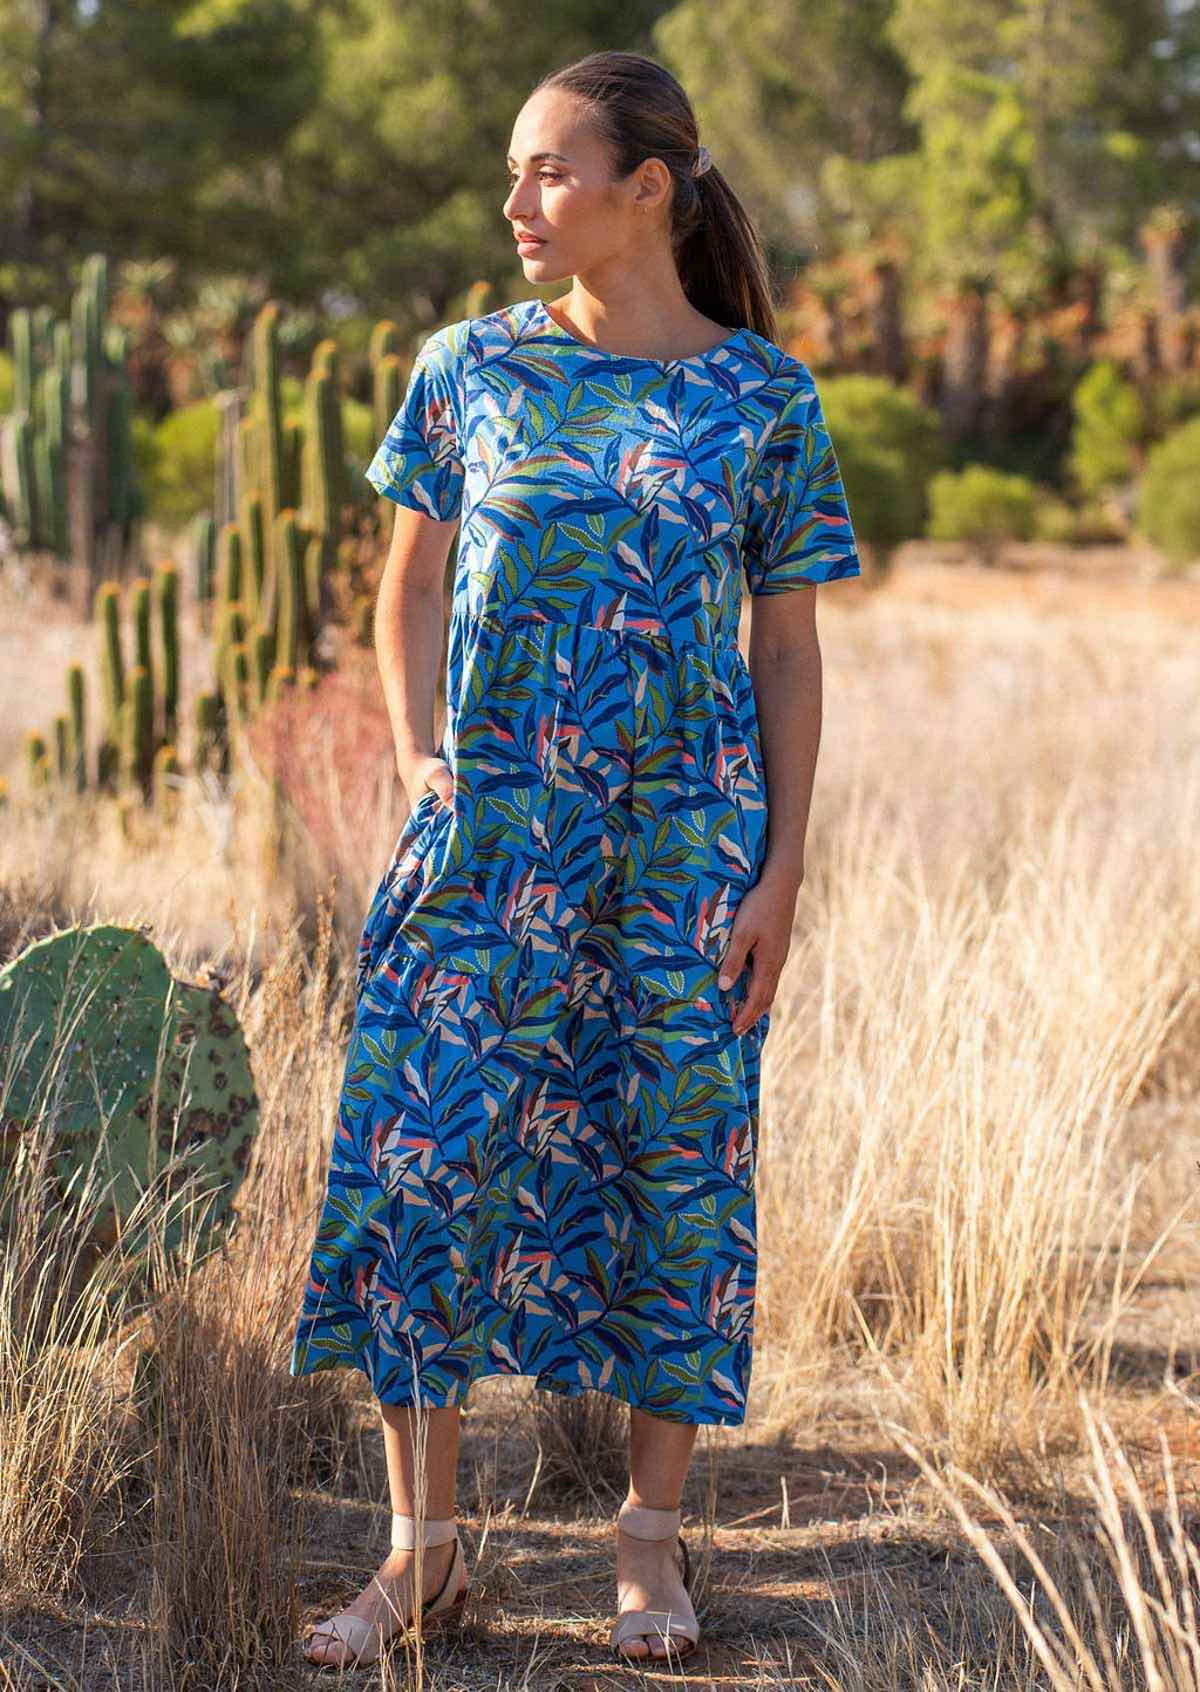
column 87, row 1017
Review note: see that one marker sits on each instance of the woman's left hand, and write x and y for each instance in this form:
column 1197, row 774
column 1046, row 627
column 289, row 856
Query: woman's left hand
column 762, row 931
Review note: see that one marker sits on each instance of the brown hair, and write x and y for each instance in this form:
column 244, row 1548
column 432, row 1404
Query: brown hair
column 639, row 109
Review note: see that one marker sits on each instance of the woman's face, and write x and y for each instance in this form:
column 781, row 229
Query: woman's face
column 560, row 192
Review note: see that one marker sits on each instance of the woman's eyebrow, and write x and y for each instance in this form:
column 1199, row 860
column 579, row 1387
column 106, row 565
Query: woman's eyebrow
column 534, row 157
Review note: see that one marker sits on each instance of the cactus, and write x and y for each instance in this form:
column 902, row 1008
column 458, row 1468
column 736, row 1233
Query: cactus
column 166, row 583
column 20, row 339
column 387, row 391
column 20, row 477
column 139, row 596
column 37, row 764
column 325, row 363
column 137, row 739
column 237, row 687
column 262, row 654
column 280, row 681
column 108, row 765
column 94, row 1013
column 290, row 637
column 62, row 747
column 75, row 704
column 268, row 414
column 324, row 469
column 119, row 432
column 67, row 457
column 231, row 628
column 108, row 612
column 212, row 748
column 293, row 449
column 166, row 782
column 256, row 580
column 229, row 567
column 204, row 539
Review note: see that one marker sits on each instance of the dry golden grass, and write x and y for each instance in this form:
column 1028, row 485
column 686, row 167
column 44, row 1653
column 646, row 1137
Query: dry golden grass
column 973, row 1385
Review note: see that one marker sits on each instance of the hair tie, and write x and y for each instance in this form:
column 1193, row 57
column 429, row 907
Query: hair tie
column 703, row 161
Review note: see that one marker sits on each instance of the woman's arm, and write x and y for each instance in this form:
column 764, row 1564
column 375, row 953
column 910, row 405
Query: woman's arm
column 409, row 624
column 785, row 667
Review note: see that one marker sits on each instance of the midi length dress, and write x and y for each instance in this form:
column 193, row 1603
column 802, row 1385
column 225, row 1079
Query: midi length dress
column 545, row 1146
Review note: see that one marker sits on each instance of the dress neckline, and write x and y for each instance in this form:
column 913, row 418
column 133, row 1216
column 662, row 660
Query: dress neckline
column 552, row 323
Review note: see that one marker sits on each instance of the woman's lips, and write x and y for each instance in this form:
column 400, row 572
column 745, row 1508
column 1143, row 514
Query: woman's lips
column 530, row 241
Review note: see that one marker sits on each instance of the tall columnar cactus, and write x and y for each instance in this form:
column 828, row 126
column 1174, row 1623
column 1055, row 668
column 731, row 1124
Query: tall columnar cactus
column 385, row 363
column 143, row 645
column 290, row 628
column 112, row 663
column 326, row 364
column 20, row 339
column 66, row 449
column 293, row 448
column 204, row 544
column 256, row 582
column 230, row 631
column 318, row 494
column 37, row 764
column 268, row 413
column 137, row 1076
column 229, row 567
column 212, row 747
column 20, row 475
column 280, row 682
column 138, row 736
column 75, row 703
column 238, row 701
column 387, row 391
column 62, row 747
column 262, row 657
column 166, row 584
column 166, row 781
column 119, row 434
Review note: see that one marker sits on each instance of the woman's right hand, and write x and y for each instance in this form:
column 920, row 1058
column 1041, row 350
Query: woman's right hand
column 423, row 774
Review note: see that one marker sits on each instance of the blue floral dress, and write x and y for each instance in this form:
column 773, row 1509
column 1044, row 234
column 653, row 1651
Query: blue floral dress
column 544, row 1156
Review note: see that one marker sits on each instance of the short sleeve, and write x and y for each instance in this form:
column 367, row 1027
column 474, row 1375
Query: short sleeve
column 798, row 529
column 419, row 462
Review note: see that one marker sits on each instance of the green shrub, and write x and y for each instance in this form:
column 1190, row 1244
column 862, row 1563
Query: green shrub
column 983, row 505
column 176, row 460
column 6, row 383
column 888, row 445
column 1169, row 495
column 1175, row 399
column 1109, row 426
column 1057, row 520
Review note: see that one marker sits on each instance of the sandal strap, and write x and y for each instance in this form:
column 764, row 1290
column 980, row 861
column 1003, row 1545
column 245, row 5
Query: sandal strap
column 639, row 1624
column 404, row 1531
column 644, row 1523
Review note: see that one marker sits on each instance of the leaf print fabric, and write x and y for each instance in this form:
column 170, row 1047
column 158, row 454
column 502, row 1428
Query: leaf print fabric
column 545, row 1150
column 418, row 463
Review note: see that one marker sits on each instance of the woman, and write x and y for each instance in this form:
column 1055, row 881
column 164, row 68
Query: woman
column 545, row 1155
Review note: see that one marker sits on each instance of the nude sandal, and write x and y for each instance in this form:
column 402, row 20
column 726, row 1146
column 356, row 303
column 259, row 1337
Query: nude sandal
column 364, row 1639
column 681, row 1632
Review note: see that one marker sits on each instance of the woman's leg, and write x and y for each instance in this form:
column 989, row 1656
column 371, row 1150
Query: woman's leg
column 648, row 1576
column 389, row 1593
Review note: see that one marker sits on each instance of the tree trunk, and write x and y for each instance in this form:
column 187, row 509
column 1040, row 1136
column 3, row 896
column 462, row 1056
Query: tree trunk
column 964, row 364
column 887, row 332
